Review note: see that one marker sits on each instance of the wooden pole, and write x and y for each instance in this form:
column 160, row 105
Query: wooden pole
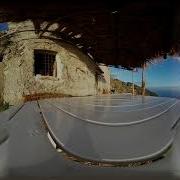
column 143, row 81
column 132, row 83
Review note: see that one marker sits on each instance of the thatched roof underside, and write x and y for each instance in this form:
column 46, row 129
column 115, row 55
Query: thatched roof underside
column 128, row 33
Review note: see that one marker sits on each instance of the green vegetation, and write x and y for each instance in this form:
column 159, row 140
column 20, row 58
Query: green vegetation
column 119, row 86
column 4, row 106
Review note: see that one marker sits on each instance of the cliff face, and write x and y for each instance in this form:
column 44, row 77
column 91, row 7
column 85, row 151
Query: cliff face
column 119, row 86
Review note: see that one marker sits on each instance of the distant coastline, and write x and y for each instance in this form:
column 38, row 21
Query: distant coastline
column 173, row 92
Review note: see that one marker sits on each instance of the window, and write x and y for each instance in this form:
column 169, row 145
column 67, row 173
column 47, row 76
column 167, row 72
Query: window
column 1, row 57
column 44, row 63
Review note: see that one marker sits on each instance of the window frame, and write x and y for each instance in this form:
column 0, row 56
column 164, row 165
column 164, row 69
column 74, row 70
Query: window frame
column 46, row 61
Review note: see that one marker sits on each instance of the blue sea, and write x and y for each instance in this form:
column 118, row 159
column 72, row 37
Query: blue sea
column 173, row 92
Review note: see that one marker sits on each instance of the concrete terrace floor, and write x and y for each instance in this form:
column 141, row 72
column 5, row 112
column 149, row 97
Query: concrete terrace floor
column 28, row 154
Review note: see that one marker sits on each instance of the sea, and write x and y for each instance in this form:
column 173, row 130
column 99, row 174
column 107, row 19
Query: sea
column 173, row 92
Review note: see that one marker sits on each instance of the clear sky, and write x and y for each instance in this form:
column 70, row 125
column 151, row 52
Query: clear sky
column 165, row 73
column 3, row 26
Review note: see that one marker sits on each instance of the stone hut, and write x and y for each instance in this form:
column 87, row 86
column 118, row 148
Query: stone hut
column 31, row 65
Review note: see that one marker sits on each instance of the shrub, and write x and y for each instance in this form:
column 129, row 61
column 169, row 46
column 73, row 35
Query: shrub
column 4, row 106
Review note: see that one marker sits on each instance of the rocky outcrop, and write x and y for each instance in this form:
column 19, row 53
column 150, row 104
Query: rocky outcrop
column 118, row 86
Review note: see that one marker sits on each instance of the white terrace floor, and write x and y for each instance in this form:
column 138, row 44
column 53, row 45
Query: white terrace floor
column 108, row 128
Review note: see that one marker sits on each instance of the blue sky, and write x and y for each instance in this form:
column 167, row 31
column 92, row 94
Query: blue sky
column 3, row 26
column 165, row 73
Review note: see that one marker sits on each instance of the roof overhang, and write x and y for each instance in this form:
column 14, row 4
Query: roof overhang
column 128, row 33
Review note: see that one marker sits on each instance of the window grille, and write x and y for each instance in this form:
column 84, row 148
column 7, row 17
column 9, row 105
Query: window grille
column 44, row 62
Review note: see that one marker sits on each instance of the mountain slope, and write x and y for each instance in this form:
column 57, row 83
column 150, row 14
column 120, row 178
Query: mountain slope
column 122, row 87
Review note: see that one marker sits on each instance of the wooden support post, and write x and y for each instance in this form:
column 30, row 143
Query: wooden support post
column 132, row 83
column 143, row 80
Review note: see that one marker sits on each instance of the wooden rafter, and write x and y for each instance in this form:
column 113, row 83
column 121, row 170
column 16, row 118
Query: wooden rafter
column 127, row 33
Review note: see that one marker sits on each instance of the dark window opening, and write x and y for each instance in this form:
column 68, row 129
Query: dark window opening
column 1, row 57
column 44, row 63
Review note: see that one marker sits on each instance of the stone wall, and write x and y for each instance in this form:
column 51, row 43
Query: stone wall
column 104, row 80
column 1, row 82
column 75, row 71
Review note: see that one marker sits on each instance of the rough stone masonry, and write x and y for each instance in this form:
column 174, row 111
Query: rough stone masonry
column 74, row 73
